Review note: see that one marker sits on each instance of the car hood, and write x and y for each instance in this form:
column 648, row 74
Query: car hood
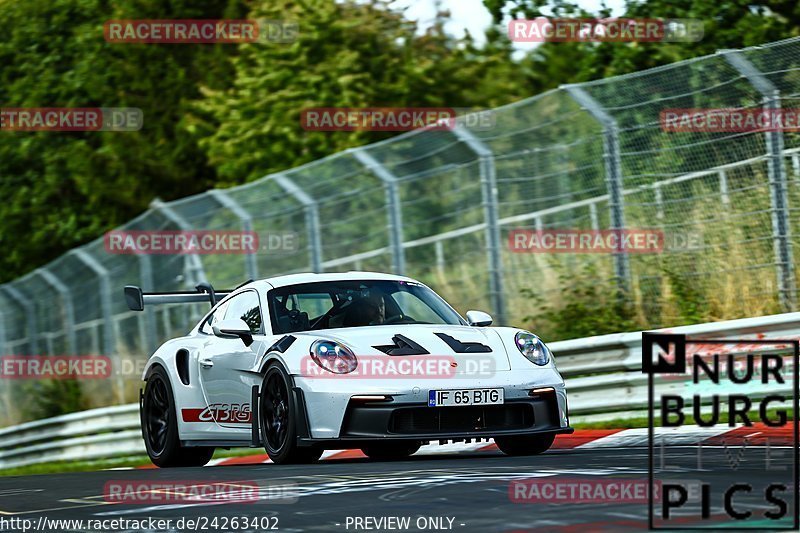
column 463, row 344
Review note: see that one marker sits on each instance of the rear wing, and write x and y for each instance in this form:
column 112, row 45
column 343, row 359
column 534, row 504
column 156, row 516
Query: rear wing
column 136, row 298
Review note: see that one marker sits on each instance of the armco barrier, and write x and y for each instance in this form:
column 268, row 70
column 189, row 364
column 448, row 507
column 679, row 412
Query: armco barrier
column 602, row 373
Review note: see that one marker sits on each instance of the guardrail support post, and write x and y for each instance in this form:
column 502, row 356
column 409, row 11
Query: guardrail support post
column 394, row 213
column 488, row 175
column 777, row 178
column 110, row 337
column 67, row 310
column 225, row 200
column 312, row 217
column 613, row 171
column 30, row 315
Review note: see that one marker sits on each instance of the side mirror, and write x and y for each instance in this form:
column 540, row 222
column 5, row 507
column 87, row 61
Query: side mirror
column 479, row 318
column 233, row 328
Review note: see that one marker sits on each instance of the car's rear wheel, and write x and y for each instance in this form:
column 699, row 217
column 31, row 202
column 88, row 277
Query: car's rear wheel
column 278, row 424
column 525, row 444
column 160, row 426
column 389, row 451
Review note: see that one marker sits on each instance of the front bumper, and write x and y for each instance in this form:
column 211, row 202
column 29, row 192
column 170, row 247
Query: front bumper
column 365, row 422
column 330, row 414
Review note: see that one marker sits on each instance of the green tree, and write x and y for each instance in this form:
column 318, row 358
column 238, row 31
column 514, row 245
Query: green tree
column 63, row 189
column 349, row 54
column 733, row 24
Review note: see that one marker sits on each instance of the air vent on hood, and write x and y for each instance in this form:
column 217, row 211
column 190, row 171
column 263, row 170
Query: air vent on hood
column 463, row 347
column 282, row 345
column 402, row 346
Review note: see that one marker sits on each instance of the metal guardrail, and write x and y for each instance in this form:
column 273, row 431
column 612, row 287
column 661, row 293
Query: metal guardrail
column 603, row 375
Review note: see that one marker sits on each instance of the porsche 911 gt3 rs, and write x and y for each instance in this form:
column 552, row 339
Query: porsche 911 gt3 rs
column 307, row 362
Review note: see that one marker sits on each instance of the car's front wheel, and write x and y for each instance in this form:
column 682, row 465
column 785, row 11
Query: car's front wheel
column 389, row 451
column 525, row 444
column 160, row 426
column 278, row 424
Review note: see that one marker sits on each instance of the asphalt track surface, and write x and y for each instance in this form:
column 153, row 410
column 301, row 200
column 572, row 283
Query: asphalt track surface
column 472, row 489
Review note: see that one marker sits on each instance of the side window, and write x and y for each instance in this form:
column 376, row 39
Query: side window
column 314, row 304
column 292, row 312
column 246, row 307
column 213, row 318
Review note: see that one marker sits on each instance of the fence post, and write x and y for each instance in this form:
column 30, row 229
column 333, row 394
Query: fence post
column 439, row 251
column 312, row 217
column 723, row 188
column 193, row 265
column 659, row 200
column 30, row 315
column 494, row 258
column 594, row 220
column 225, row 200
column 110, row 336
column 68, row 310
column 613, row 171
column 394, row 213
column 777, row 178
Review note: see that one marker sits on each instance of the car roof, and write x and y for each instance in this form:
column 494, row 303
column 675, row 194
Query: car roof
column 310, row 277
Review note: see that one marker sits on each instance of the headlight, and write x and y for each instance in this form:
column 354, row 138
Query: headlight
column 532, row 348
column 333, row 357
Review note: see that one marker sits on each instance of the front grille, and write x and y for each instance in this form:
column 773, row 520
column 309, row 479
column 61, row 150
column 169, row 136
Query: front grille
column 431, row 420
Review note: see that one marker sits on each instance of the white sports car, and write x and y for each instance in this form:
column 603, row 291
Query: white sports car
column 307, row 362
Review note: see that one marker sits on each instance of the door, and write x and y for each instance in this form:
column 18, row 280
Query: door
column 227, row 366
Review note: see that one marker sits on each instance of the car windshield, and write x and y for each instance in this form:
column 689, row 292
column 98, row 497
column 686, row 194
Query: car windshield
column 344, row 304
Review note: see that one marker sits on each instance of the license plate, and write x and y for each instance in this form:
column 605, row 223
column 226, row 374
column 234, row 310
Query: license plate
column 454, row 398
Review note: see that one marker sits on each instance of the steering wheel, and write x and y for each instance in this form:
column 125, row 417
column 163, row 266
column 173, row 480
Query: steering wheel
column 398, row 319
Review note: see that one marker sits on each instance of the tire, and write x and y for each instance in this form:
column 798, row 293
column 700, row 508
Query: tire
column 277, row 421
column 525, row 444
column 160, row 426
column 390, row 451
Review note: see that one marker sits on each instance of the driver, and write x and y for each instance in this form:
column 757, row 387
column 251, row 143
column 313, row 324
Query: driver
column 375, row 309
column 368, row 311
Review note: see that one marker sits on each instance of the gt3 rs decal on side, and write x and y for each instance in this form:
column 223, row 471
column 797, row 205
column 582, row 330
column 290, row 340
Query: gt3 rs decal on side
column 232, row 414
